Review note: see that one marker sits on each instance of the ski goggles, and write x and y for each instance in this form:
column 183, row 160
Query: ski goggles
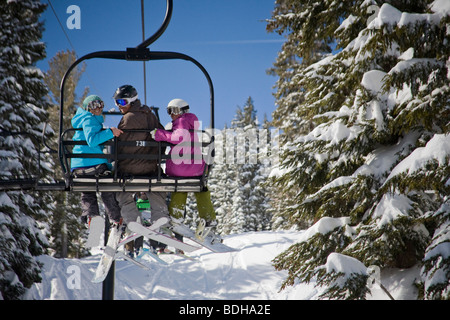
column 96, row 104
column 125, row 101
column 176, row 110
column 173, row 110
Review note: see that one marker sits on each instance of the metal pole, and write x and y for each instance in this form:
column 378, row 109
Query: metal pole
column 108, row 283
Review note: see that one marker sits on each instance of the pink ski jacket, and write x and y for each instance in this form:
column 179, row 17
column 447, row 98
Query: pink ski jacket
column 185, row 160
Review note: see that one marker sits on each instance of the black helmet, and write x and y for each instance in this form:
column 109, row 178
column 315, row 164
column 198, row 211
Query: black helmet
column 125, row 91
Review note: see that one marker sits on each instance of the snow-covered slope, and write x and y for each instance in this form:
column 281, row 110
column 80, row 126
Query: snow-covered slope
column 243, row 275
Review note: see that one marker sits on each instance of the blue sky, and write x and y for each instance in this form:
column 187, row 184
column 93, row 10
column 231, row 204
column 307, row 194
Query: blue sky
column 227, row 37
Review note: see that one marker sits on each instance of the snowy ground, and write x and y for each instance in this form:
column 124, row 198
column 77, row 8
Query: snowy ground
column 244, row 275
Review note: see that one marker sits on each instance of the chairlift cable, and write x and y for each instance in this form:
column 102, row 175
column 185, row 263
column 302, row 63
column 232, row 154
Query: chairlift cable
column 68, row 39
column 61, row 26
column 143, row 62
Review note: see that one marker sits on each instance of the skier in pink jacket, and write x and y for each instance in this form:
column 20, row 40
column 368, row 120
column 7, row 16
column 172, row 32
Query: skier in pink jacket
column 186, row 161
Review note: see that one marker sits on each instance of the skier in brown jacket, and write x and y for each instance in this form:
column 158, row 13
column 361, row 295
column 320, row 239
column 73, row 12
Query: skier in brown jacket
column 137, row 116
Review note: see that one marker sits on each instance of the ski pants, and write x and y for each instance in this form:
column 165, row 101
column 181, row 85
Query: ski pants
column 89, row 202
column 130, row 211
column 204, row 205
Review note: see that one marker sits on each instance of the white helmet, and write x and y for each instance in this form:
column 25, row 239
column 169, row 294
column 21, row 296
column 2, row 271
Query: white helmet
column 177, row 106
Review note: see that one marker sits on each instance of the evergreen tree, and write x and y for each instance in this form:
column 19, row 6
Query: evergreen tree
column 222, row 183
column 66, row 229
column 243, row 198
column 373, row 172
column 304, row 45
column 22, row 110
column 268, row 159
column 243, row 126
column 306, row 42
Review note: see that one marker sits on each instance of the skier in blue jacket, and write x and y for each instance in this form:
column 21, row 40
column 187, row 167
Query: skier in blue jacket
column 89, row 118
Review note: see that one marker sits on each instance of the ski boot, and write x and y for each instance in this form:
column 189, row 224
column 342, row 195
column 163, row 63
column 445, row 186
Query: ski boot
column 146, row 218
column 86, row 220
column 119, row 225
column 134, row 248
column 207, row 230
column 173, row 223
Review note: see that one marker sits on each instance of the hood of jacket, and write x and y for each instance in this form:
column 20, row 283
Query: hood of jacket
column 81, row 115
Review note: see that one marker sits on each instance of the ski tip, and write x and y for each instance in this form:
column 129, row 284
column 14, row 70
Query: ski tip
column 163, row 220
column 98, row 279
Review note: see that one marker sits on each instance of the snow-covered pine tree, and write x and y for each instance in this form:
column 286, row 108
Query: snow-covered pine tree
column 267, row 158
column 22, row 109
column 244, row 206
column 301, row 48
column 306, row 43
column 243, row 217
column 373, row 173
column 222, row 183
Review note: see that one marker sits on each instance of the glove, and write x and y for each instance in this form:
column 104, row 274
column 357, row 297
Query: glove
column 153, row 133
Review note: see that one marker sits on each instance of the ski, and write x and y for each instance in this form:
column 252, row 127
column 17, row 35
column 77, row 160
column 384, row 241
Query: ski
column 147, row 251
column 186, row 232
column 96, row 227
column 124, row 256
column 108, row 254
column 161, row 237
column 127, row 239
column 133, row 236
column 175, row 253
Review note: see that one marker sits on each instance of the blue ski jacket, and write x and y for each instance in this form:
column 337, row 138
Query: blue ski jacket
column 93, row 134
